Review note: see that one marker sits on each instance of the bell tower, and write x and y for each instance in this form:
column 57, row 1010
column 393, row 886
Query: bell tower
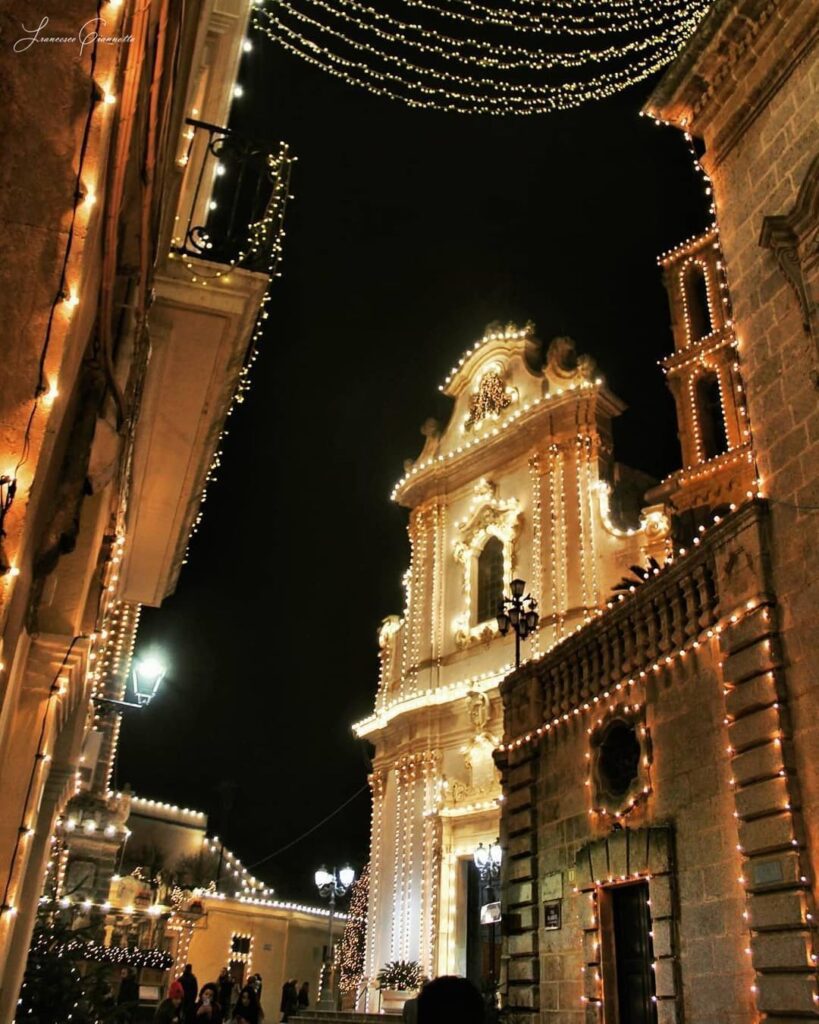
column 703, row 376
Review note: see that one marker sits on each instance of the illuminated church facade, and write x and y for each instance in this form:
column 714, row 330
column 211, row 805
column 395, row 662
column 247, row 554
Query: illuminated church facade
column 521, row 483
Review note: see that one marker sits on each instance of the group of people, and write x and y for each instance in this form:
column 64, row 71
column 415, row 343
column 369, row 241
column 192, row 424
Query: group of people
column 294, row 998
column 213, row 1003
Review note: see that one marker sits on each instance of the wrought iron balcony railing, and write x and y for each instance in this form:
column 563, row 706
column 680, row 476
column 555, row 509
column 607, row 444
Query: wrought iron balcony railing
column 233, row 198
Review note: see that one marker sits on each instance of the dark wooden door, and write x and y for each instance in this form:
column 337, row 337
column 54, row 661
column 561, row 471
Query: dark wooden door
column 633, row 954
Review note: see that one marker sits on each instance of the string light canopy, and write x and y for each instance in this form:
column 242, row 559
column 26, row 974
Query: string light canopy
column 469, row 57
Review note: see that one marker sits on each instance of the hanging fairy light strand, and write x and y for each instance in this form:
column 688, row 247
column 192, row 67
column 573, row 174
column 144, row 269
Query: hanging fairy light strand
column 464, row 60
column 566, row 15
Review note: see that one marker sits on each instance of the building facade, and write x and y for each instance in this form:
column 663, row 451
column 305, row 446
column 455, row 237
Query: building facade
column 659, row 765
column 521, row 482
column 127, row 336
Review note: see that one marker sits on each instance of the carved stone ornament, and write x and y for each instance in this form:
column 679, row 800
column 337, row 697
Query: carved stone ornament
column 564, row 366
column 793, row 238
column 478, row 709
column 490, row 517
column 491, row 398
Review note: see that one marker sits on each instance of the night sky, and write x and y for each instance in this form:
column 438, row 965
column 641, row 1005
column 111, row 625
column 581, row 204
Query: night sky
column 410, row 232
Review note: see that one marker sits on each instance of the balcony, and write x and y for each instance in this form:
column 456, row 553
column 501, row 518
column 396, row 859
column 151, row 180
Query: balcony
column 209, row 309
column 232, row 201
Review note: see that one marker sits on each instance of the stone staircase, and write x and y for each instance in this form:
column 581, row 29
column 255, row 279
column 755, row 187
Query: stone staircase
column 342, row 1016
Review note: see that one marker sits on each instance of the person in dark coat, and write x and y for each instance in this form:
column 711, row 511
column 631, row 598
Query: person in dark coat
column 170, row 1010
column 247, row 1009
column 450, row 1000
column 128, row 994
column 290, row 1000
column 304, row 995
column 190, row 986
column 225, row 991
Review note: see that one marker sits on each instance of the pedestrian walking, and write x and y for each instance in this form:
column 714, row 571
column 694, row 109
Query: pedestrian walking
column 190, row 988
column 290, row 999
column 225, row 991
column 304, row 996
column 171, row 1010
column 127, row 995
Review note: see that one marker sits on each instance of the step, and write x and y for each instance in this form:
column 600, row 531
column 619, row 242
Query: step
column 342, row 1016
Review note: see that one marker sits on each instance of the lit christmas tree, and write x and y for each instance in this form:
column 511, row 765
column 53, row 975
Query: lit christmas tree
column 54, row 991
column 351, row 950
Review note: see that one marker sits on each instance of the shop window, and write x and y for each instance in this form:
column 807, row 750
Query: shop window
column 711, row 419
column 490, row 579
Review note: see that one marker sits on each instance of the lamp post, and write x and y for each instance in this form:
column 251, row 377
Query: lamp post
column 146, row 677
column 519, row 613
column 488, row 862
column 331, row 885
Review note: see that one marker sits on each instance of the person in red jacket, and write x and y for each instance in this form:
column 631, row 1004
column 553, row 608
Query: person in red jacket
column 170, row 1010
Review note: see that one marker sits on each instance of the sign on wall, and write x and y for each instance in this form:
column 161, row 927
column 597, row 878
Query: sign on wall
column 552, row 917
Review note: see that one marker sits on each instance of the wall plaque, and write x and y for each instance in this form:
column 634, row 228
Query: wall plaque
column 552, row 917
column 552, row 886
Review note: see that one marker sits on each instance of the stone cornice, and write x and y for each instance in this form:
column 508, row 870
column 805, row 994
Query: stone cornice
column 718, row 60
column 552, row 420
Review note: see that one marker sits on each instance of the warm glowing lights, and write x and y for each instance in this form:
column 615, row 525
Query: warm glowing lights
column 535, row 64
column 521, row 411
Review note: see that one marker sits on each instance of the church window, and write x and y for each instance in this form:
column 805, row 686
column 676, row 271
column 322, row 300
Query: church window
column 710, row 415
column 619, row 758
column 490, row 579
column 696, row 302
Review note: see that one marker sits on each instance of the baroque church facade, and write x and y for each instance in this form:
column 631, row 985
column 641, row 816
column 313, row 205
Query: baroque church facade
column 521, row 483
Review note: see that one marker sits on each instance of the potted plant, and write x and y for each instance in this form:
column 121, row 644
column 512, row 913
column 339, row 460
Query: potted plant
column 397, row 981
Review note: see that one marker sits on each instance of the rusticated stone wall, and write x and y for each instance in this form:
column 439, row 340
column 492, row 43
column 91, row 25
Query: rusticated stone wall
column 715, row 825
column 748, row 87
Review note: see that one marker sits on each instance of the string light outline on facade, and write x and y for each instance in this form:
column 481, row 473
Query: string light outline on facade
column 522, row 412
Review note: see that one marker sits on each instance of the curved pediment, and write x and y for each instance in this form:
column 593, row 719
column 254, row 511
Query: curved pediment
column 497, row 380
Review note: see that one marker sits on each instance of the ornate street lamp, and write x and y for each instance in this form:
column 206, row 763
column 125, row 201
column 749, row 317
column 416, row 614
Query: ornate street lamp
column 488, row 862
column 519, row 613
column 146, row 676
column 331, row 885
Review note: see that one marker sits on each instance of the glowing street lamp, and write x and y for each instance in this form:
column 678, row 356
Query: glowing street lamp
column 518, row 613
column 146, row 676
column 331, row 885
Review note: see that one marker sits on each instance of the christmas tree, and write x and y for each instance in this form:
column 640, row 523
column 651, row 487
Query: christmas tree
column 351, row 954
column 54, row 990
